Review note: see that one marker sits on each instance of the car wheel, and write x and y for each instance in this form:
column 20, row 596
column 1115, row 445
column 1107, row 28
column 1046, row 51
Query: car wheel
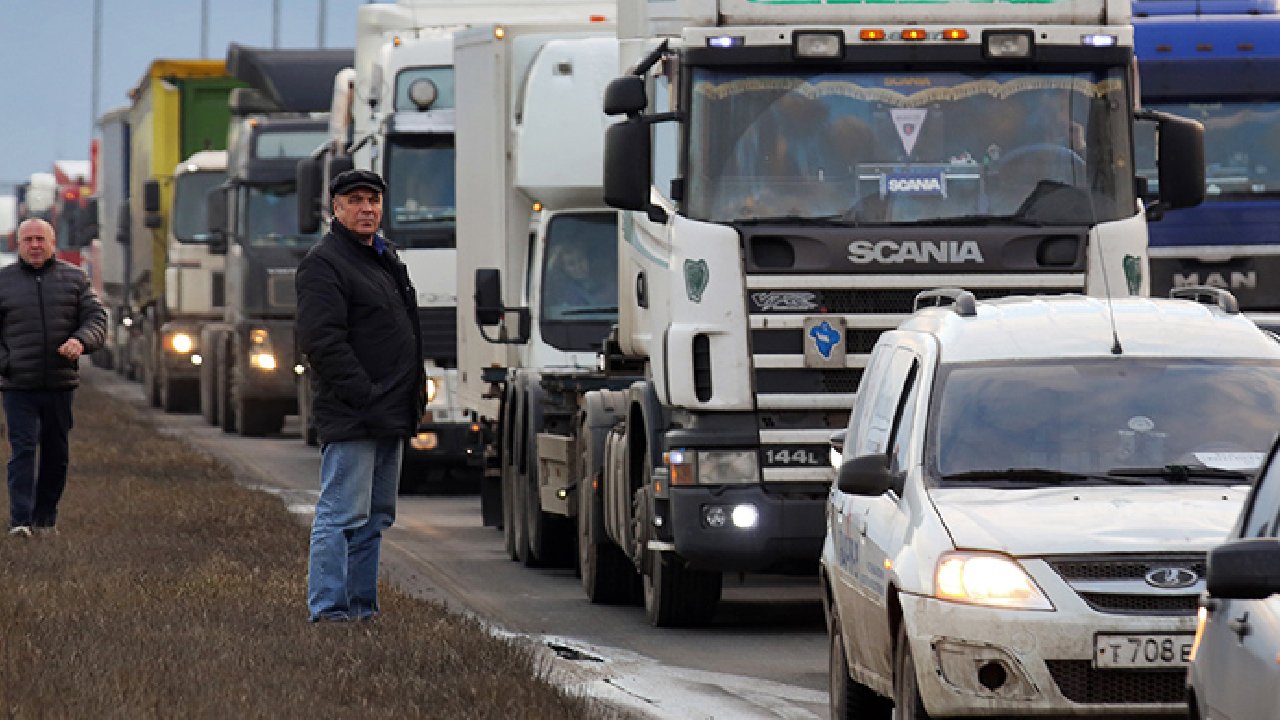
column 851, row 700
column 906, row 690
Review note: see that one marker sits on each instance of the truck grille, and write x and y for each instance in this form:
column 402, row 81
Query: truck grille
column 875, row 301
column 1080, row 682
column 439, row 335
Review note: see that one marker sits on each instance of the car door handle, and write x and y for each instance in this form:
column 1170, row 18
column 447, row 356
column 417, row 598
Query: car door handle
column 1240, row 626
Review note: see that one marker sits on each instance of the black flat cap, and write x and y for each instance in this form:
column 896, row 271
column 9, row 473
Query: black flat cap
column 349, row 180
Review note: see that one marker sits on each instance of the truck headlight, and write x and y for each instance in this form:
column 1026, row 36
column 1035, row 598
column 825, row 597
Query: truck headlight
column 181, row 343
column 986, row 579
column 722, row 467
column 432, row 387
column 262, row 360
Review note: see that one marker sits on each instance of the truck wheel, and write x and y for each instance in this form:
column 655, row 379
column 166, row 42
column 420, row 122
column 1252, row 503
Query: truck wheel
column 675, row 595
column 850, row 700
column 608, row 577
column 906, row 690
column 549, row 538
column 509, row 483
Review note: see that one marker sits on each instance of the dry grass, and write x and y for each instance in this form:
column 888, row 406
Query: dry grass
column 173, row 592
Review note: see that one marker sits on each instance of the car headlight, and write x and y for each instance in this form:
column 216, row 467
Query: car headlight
column 181, row 343
column 432, row 388
column 985, row 579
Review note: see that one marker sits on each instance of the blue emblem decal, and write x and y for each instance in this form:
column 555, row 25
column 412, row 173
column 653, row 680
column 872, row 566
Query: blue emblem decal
column 826, row 338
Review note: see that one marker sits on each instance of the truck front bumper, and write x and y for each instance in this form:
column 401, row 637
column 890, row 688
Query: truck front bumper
column 980, row 661
column 786, row 536
column 453, row 444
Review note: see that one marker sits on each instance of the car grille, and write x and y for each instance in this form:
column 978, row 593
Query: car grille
column 1089, row 577
column 1082, row 683
column 1122, row 568
column 1143, row 604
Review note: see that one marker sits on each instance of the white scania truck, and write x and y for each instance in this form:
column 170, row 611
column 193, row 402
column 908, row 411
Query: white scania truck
column 791, row 175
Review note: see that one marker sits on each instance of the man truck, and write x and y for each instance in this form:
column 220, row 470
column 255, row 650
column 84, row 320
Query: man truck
column 248, row 380
column 790, row 176
column 1220, row 65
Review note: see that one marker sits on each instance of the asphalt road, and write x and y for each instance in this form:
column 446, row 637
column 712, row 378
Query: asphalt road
column 764, row 656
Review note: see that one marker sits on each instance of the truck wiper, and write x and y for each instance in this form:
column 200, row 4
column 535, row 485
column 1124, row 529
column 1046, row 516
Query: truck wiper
column 1184, row 473
column 819, row 220
column 1041, row 476
column 590, row 310
column 974, row 220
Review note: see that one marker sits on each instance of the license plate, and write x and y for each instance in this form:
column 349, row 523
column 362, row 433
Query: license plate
column 1142, row 651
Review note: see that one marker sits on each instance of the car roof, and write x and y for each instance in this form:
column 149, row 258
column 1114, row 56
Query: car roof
column 1055, row 326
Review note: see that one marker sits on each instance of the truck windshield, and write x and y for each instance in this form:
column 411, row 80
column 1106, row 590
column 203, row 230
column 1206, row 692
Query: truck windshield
column 1241, row 147
column 271, row 216
column 580, row 275
column 190, row 198
column 420, row 183
column 909, row 147
column 291, row 144
column 1125, row 420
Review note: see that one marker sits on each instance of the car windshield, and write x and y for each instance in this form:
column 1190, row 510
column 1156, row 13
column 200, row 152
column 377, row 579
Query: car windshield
column 190, row 205
column 1241, row 147
column 909, row 147
column 1122, row 420
column 272, row 217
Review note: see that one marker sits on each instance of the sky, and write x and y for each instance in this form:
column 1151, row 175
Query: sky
column 46, row 53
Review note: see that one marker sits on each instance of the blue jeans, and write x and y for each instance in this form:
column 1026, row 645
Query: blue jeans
column 359, row 480
column 38, row 420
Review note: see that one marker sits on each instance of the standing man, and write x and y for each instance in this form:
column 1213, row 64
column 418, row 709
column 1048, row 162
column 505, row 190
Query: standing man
column 49, row 317
column 358, row 326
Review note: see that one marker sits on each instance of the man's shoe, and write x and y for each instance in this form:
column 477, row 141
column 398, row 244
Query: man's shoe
column 20, row 531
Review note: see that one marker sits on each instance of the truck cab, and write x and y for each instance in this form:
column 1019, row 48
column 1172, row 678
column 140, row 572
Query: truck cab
column 1025, row 494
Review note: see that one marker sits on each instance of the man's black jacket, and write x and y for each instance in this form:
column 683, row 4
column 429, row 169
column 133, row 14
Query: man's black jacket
column 358, row 327
column 40, row 309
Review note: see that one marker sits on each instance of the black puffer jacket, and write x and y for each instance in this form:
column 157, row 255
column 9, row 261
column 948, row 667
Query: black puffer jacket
column 358, row 327
column 40, row 309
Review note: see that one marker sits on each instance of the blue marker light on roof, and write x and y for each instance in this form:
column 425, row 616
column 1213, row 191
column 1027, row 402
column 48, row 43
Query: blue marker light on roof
column 724, row 41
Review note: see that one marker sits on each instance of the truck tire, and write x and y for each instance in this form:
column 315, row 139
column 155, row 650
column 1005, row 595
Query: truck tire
column 509, row 482
column 608, row 577
column 549, row 538
column 209, row 384
column 850, row 700
column 675, row 595
column 906, row 688
column 226, row 410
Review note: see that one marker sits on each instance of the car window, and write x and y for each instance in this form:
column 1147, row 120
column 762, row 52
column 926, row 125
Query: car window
column 874, row 436
column 866, row 393
column 1263, row 511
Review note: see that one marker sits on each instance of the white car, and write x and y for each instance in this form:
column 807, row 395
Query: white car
column 1235, row 668
column 1026, row 491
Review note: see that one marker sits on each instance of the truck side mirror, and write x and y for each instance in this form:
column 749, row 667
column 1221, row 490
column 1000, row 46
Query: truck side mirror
column 216, row 211
column 308, row 177
column 123, row 230
column 625, row 96
column 628, row 164
column 488, row 296
column 1179, row 162
column 868, row 475
column 490, row 310
column 151, row 204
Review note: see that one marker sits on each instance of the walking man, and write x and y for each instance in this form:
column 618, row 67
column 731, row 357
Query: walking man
column 49, row 317
column 358, row 327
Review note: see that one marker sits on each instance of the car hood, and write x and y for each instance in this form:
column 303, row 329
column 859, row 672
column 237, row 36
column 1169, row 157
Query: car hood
column 1048, row 521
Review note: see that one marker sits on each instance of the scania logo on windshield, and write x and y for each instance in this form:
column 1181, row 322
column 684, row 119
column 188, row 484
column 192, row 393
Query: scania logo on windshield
column 1172, row 578
column 890, row 252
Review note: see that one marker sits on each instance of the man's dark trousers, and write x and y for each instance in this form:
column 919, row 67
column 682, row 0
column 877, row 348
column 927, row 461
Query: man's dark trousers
column 37, row 419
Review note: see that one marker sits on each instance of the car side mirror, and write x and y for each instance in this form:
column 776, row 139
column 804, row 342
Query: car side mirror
column 868, row 475
column 1245, row 569
column 837, row 448
column 151, row 204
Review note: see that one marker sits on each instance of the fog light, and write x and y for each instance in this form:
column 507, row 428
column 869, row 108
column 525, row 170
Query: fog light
column 745, row 516
column 424, row 441
column 196, row 359
column 714, row 516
